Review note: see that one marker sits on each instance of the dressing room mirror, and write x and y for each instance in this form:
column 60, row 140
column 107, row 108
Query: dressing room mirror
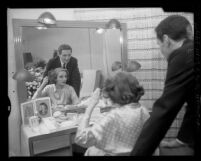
column 34, row 43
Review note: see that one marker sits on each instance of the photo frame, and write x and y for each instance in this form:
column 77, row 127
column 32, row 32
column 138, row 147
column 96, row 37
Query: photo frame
column 27, row 111
column 43, row 107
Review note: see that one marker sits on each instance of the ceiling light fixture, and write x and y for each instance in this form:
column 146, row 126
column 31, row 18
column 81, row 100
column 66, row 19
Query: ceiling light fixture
column 23, row 75
column 132, row 66
column 47, row 18
column 113, row 24
column 100, row 30
column 41, row 27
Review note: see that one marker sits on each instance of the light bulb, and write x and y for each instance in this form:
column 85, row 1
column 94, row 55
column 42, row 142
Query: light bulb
column 100, row 30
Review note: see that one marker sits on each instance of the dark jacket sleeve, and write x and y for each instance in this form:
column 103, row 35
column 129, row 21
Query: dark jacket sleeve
column 74, row 75
column 187, row 131
column 178, row 84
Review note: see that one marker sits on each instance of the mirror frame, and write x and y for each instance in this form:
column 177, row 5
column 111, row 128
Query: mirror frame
column 17, row 36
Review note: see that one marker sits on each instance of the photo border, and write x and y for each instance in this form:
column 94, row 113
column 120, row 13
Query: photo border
column 47, row 101
column 22, row 106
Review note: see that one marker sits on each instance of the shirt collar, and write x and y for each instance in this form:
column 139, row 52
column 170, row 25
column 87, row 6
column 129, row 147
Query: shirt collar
column 174, row 53
column 62, row 62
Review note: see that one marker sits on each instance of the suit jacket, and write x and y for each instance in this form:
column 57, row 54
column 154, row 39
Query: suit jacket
column 178, row 89
column 74, row 78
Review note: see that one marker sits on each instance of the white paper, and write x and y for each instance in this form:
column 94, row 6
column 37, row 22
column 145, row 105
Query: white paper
column 49, row 123
column 90, row 82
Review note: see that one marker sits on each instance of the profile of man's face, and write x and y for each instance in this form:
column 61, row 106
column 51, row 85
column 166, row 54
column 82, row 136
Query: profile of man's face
column 189, row 30
column 163, row 47
column 65, row 55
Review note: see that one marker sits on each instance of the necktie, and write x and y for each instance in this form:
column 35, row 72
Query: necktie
column 64, row 65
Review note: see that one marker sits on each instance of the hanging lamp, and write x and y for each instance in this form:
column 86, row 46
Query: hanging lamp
column 130, row 67
column 113, row 24
column 23, row 75
column 47, row 18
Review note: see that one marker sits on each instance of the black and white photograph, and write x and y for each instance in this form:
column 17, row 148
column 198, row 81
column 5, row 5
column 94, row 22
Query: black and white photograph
column 27, row 111
column 133, row 69
column 43, row 107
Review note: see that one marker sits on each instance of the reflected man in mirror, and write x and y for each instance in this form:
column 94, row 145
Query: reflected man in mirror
column 67, row 61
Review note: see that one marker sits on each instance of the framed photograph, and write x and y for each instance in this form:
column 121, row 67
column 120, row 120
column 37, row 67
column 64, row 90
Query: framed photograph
column 43, row 107
column 27, row 111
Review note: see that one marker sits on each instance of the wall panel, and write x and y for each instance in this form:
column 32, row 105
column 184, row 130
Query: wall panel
column 143, row 48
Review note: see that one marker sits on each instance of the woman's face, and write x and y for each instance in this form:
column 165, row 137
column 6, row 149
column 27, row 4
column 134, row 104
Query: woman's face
column 61, row 78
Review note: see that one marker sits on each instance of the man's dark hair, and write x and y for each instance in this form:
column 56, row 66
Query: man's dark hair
column 175, row 26
column 64, row 47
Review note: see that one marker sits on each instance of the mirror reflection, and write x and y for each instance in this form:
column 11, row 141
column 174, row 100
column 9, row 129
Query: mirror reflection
column 93, row 50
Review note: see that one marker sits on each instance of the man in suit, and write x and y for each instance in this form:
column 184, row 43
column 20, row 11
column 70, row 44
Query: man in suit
column 173, row 37
column 67, row 61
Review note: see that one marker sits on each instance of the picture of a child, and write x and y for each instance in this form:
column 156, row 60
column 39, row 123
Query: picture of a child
column 43, row 109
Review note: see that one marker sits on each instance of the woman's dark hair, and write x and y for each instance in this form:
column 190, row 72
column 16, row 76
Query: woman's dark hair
column 52, row 74
column 44, row 105
column 123, row 88
column 175, row 26
column 64, row 47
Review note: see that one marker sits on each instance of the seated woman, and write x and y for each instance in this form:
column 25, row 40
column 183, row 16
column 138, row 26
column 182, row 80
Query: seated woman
column 59, row 92
column 119, row 129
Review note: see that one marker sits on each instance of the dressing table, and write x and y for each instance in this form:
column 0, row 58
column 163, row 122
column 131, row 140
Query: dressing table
column 92, row 55
column 47, row 143
column 41, row 141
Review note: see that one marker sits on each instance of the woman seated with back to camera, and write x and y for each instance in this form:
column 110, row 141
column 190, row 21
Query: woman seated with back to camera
column 119, row 129
column 60, row 93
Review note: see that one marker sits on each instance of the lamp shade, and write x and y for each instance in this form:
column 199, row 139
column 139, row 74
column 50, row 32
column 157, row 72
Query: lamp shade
column 133, row 66
column 113, row 24
column 23, row 75
column 47, row 18
column 116, row 66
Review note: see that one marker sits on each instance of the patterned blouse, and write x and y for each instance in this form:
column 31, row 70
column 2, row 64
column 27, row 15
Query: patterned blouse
column 116, row 133
column 66, row 96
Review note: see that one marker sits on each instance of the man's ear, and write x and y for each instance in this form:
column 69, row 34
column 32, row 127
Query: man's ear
column 189, row 31
column 166, row 40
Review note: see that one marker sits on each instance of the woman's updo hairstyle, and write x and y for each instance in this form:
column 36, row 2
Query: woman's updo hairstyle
column 123, row 89
column 52, row 74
